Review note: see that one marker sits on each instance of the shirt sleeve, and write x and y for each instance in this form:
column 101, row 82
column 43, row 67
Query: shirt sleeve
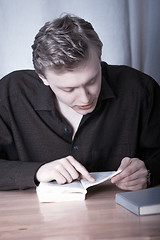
column 14, row 174
column 150, row 134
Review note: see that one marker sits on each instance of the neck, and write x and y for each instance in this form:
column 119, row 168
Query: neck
column 72, row 117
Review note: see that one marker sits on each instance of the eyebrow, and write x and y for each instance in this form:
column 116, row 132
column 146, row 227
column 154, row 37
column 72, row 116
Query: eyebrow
column 85, row 84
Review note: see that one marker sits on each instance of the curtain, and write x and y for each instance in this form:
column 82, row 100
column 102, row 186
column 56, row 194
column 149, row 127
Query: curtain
column 129, row 30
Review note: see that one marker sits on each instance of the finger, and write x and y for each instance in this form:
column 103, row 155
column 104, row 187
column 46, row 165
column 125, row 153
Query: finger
column 136, row 184
column 125, row 163
column 58, row 177
column 139, row 174
column 63, row 172
column 127, row 169
column 129, row 188
column 81, row 169
column 71, row 173
column 137, row 180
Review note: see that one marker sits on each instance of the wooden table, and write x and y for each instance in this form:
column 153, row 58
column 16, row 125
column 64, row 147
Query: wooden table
column 98, row 217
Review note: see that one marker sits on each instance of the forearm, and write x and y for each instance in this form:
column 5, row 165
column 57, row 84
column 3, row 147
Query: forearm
column 17, row 174
column 151, row 158
column 153, row 165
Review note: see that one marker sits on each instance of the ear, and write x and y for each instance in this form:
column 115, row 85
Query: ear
column 43, row 79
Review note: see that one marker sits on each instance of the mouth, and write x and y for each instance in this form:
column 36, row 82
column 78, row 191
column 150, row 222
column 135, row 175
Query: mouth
column 86, row 107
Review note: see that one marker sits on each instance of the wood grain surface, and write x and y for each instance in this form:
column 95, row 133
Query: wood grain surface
column 22, row 217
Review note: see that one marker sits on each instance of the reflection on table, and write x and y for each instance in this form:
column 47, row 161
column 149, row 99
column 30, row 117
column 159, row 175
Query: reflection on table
column 98, row 217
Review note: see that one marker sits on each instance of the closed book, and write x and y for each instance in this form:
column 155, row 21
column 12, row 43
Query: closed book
column 141, row 202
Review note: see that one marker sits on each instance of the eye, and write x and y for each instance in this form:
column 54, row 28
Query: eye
column 92, row 81
column 68, row 89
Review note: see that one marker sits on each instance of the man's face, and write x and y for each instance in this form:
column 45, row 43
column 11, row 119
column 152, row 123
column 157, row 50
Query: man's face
column 78, row 89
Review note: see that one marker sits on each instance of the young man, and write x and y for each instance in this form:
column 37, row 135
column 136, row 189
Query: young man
column 75, row 114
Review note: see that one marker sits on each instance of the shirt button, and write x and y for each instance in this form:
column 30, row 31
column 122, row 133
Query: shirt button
column 75, row 147
column 66, row 130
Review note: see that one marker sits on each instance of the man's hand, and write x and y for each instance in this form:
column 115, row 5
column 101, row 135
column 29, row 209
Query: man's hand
column 133, row 175
column 63, row 170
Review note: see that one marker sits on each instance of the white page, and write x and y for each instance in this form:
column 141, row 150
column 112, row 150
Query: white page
column 77, row 185
column 74, row 186
column 99, row 178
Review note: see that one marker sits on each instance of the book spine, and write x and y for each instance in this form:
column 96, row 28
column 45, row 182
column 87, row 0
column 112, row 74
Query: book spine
column 128, row 205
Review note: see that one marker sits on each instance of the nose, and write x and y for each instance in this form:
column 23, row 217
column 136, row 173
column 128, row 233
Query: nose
column 84, row 96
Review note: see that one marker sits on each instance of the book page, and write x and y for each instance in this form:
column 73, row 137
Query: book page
column 99, row 178
column 79, row 185
column 76, row 190
column 74, row 186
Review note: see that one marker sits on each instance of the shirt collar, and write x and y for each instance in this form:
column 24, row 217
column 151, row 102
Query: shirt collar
column 106, row 90
column 45, row 98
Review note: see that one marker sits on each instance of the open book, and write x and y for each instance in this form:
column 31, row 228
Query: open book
column 74, row 191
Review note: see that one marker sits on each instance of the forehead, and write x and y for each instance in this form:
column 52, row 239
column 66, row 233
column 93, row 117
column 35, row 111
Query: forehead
column 78, row 76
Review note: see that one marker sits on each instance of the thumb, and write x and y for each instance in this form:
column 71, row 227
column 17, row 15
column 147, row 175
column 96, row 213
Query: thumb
column 126, row 161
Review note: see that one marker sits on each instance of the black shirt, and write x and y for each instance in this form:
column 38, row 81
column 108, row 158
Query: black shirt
column 125, row 122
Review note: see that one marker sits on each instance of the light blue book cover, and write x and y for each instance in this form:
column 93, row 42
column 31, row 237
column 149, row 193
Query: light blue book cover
column 141, row 202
